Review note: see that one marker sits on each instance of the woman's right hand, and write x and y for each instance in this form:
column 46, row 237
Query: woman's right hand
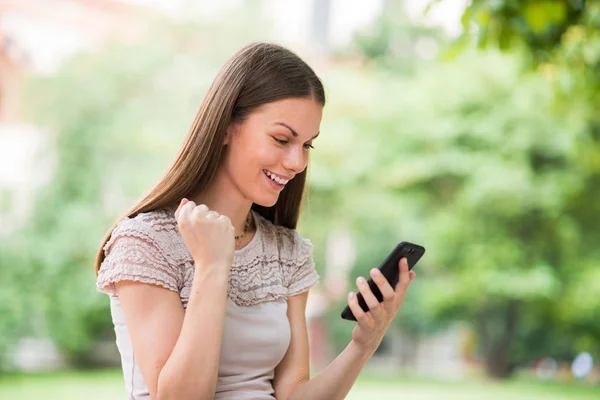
column 208, row 235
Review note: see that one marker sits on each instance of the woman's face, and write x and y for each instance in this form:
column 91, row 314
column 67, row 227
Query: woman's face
column 270, row 147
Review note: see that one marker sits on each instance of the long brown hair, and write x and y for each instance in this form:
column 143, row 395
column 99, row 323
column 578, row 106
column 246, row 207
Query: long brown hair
column 257, row 74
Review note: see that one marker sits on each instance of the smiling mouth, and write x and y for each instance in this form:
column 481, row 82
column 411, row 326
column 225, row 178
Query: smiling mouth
column 275, row 178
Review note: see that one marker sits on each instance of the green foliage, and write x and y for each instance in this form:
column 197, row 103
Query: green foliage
column 394, row 40
column 13, row 311
column 560, row 40
column 538, row 25
column 472, row 159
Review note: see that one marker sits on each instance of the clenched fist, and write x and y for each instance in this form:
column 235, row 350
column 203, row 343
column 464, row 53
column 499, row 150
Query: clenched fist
column 208, row 235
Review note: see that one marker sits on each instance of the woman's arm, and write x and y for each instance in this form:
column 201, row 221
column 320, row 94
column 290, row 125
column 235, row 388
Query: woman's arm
column 292, row 374
column 334, row 382
column 177, row 353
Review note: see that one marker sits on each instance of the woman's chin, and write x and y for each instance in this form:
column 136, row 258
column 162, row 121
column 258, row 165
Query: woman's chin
column 266, row 200
column 266, row 193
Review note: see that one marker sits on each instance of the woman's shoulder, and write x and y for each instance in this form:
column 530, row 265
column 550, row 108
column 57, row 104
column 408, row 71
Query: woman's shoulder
column 289, row 243
column 157, row 227
column 150, row 224
column 143, row 248
column 155, row 230
column 275, row 265
column 294, row 254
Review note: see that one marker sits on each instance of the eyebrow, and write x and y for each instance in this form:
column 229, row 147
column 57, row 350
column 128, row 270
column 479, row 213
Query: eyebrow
column 294, row 133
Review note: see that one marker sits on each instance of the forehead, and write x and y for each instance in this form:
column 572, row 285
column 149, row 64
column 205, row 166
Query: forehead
column 303, row 115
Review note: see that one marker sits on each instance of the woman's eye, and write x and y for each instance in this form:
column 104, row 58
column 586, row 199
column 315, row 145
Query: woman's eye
column 283, row 142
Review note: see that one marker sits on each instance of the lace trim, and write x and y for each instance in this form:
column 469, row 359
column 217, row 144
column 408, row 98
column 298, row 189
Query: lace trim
column 304, row 279
column 129, row 272
column 256, row 281
column 131, row 255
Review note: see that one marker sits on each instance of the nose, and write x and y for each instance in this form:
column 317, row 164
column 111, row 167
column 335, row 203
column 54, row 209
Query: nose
column 295, row 159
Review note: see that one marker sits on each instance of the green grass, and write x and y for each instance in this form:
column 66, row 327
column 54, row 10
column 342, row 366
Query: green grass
column 96, row 385
column 370, row 387
column 88, row 385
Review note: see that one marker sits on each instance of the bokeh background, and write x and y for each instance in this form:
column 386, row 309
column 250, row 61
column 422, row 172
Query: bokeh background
column 468, row 127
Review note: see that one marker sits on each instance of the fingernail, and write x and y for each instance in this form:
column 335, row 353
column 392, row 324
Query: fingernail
column 350, row 295
column 375, row 271
column 361, row 280
column 405, row 262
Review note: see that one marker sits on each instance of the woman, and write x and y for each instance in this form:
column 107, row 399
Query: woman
column 208, row 278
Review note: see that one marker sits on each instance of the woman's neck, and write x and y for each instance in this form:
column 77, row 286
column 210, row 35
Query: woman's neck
column 226, row 200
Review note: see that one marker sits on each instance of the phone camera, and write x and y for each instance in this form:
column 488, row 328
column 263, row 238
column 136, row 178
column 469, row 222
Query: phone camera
column 411, row 251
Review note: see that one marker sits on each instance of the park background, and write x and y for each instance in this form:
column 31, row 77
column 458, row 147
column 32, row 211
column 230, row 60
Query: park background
column 467, row 126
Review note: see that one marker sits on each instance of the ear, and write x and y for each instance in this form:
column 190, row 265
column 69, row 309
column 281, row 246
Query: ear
column 231, row 129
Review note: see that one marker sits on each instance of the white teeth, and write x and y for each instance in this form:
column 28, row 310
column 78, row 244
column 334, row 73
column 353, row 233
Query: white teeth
column 275, row 178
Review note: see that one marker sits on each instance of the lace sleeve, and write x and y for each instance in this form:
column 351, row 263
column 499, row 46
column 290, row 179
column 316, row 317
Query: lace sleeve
column 301, row 271
column 132, row 254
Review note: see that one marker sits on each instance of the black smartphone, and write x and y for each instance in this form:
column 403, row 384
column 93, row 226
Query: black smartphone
column 389, row 269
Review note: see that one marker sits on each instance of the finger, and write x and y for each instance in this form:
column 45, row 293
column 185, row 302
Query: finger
column 181, row 204
column 357, row 311
column 413, row 275
column 224, row 218
column 384, row 286
column 211, row 215
column 200, row 210
column 404, row 278
column 185, row 212
column 368, row 295
column 226, row 222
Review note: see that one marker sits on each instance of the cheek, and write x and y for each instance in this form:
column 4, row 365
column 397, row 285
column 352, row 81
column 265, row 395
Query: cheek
column 237, row 162
column 248, row 157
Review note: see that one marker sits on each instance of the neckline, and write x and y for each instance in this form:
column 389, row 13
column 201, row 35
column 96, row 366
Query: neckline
column 254, row 239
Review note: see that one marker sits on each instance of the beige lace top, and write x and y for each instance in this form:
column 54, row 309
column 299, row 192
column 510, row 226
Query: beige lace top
column 277, row 263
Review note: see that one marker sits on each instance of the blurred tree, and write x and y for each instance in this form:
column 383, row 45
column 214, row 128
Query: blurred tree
column 396, row 41
column 467, row 158
column 538, row 26
column 13, row 311
column 498, row 172
column 560, row 40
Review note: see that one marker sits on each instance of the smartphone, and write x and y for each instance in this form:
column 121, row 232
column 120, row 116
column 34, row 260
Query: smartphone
column 389, row 269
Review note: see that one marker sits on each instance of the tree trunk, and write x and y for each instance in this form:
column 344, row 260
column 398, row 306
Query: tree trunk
column 496, row 331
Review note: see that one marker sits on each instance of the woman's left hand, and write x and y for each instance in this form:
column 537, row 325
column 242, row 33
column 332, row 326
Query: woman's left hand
column 373, row 324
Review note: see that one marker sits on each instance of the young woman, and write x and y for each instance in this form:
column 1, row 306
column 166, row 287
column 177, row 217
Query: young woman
column 207, row 276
